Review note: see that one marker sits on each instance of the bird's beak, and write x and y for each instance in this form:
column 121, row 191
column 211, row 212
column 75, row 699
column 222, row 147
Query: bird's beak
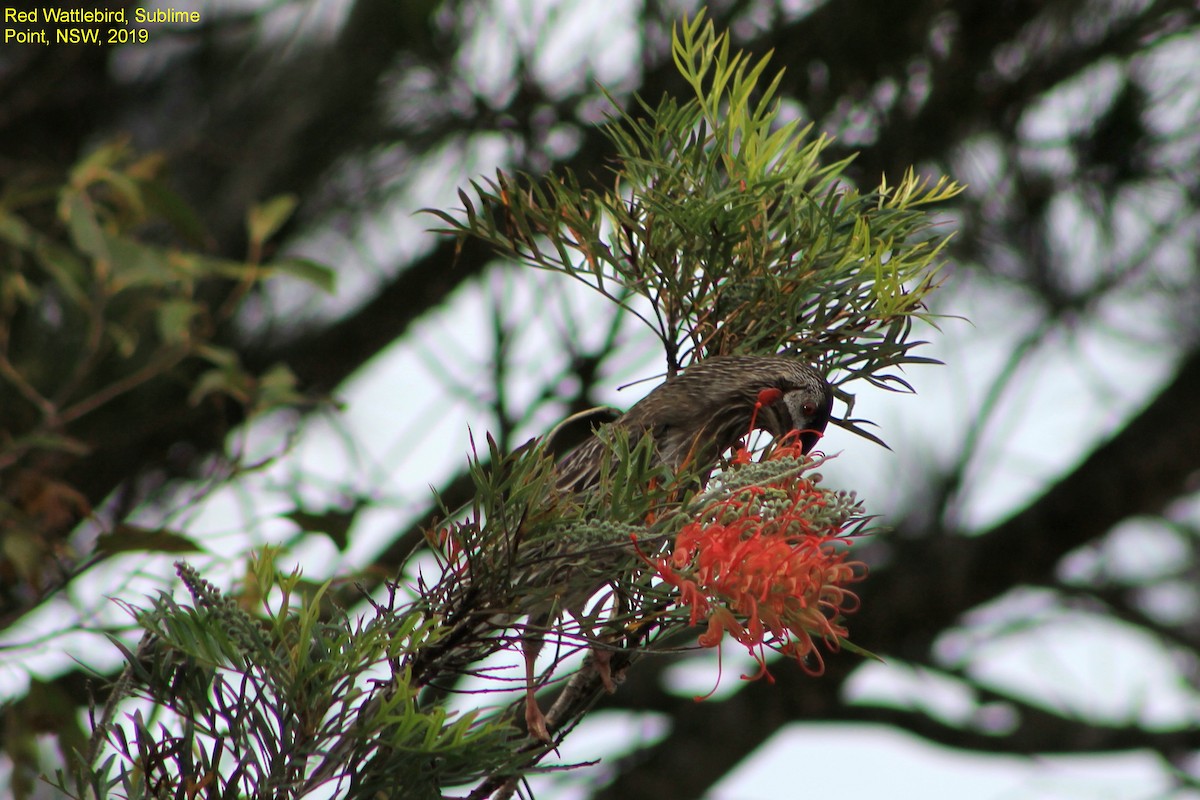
column 808, row 440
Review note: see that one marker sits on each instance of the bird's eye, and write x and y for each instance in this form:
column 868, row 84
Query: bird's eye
column 809, row 409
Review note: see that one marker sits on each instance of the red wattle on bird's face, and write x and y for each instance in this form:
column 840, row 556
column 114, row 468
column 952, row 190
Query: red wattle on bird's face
column 768, row 396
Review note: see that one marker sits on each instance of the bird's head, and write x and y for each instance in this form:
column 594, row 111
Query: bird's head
column 800, row 400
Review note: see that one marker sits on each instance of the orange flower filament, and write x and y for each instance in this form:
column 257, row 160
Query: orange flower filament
column 767, row 565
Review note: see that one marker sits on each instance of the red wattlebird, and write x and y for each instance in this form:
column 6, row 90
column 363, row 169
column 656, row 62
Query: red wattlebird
column 693, row 418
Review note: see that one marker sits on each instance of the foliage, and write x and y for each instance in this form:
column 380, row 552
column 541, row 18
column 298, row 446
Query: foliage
column 588, row 556
column 725, row 233
column 770, row 237
column 724, row 220
column 276, row 691
column 118, row 309
column 253, row 702
column 99, row 299
column 1075, row 249
column 108, row 299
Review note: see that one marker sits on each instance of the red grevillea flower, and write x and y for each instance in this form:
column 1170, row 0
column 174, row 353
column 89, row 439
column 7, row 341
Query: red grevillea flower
column 767, row 564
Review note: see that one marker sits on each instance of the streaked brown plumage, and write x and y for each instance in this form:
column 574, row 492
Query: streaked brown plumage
column 704, row 410
column 695, row 417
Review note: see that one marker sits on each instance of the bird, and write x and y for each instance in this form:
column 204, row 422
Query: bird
column 702, row 412
column 693, row 418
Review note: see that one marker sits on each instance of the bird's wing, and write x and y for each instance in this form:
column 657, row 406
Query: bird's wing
column 580, row 468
